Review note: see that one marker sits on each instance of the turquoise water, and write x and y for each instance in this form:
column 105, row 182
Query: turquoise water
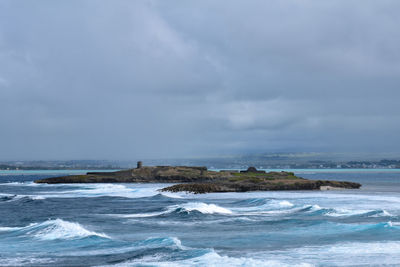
column 136, row 225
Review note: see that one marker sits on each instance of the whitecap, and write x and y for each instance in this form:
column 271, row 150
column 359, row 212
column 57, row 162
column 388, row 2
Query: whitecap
column 345, row 253
column 201, row 207
column 153, row 242
column 286, row 203
column 210, row 258
column 128, row 190
column 9, row 229
column 340, row 212
column 6, row 229
column 54, row 229
column 271, row 207
column 10, row 197
column 36, row 197
column 60, row 229
column 25, row 261
column 30, row 183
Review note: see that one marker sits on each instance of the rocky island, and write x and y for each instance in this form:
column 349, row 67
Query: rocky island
column 202, row 180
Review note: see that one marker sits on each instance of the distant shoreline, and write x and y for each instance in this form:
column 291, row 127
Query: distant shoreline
column 84, row 171
column 57, row 171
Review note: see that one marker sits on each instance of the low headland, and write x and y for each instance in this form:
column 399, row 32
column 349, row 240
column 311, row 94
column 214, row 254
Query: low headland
column 202, row 180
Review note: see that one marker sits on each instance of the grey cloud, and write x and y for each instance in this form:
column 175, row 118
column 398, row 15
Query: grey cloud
column 132, row 79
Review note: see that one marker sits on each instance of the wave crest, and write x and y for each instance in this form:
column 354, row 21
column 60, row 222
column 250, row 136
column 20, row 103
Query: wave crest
column 208, row 257
column 53, row 230
column 202, row 208
column 188, row 208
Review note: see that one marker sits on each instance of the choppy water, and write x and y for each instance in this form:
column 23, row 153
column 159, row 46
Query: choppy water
column 135, row 225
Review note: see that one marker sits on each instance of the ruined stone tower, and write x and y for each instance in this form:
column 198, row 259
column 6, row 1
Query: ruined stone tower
column 139, row 164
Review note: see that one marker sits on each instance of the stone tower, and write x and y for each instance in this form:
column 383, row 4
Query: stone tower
column 139, row 164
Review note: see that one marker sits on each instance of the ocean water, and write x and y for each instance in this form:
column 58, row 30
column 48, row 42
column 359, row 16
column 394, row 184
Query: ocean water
column 136, row 225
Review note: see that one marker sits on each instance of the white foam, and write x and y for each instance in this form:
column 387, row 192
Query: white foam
column 97, row 190
column 36, row 197
column 314, row 207
column 25, row 261
column 286, row 203
column 171, row 195
column 6, row 229
column 164, row 242
column 195, row 222
column 100, row 190
column 339, row 254
column 269, row 209
column 187, row 207
column 340, row 212
column 362, row 253
column 365, row 248
column 60, row 229
column 131, row 190
column 203, row 208
column 30, row 183
column 55, row 229
column 16, row 197
column 210, row 259
column 13, row 183
column 272, row 207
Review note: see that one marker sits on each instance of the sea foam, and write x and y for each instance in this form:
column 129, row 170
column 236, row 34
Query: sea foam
column 209, row 258
column 189, row 207
column 54, row 229
column 201, row 207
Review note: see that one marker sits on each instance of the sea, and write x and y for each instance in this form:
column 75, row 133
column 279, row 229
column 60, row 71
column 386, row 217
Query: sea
column 137, row 225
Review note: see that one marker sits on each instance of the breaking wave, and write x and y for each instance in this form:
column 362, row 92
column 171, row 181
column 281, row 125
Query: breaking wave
column 341, row 212
column 201, row 207
column 186, row 208
column 93, row 190
column 10, row 197
column 272, row 208
column 208, row 258
column 52, row 230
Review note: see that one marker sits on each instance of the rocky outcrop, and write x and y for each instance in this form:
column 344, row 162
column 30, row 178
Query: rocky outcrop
column 201, row 180
column 252, row 185
column 156, row 174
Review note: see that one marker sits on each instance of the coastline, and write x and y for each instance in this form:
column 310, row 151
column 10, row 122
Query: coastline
column 200, row 180
column 296, row 171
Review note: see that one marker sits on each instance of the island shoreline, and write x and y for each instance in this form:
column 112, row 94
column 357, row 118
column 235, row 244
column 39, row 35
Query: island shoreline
column 201, row 180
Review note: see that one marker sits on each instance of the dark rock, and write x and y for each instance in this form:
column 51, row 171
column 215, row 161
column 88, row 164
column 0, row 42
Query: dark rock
column 201, row 180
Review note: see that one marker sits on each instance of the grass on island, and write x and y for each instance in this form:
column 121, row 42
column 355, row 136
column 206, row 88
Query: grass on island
column 259, row 177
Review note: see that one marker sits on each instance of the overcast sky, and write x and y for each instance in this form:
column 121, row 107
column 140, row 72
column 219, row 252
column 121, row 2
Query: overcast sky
column 160, row 79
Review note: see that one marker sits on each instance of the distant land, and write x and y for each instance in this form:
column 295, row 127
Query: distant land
column 261, row 161
column 201, row 180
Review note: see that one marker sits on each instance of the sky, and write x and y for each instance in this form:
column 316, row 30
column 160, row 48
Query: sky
column 162, row 79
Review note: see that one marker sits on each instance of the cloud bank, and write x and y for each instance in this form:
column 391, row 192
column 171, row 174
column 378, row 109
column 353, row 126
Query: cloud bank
column 155, row 79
